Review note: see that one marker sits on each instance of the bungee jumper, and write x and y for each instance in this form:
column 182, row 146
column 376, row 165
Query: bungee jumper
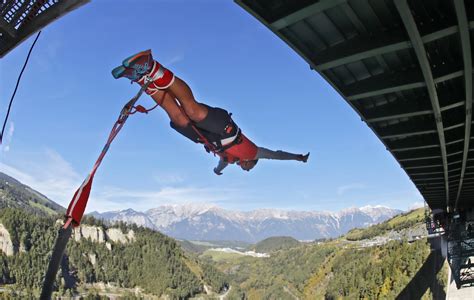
column 211, row 126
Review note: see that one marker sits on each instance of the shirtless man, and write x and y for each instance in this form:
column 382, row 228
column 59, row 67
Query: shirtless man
column 199, row 122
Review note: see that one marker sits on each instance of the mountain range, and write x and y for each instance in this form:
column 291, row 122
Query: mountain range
column 212, row 223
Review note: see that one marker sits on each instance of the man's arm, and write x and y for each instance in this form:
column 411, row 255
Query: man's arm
column 279, row 155
column 221, row 166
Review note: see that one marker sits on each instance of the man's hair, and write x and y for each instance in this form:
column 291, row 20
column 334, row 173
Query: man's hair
column 253, row 162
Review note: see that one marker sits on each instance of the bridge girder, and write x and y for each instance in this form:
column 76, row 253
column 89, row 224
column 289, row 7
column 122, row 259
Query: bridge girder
column 401, row 65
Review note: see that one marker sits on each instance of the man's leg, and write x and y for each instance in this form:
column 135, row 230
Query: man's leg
column 211, row 119
column 195, row 110
column 178, row 121
column 181, row 122
column 140, row 65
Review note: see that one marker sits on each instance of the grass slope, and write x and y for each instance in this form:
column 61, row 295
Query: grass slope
column 402, row 221
column 219, row 256
column 276, row 243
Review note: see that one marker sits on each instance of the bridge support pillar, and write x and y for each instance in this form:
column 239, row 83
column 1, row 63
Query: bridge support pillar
column 460, row 239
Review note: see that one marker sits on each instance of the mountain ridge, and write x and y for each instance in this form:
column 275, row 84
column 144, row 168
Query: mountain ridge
column 205, row 221
column 15, row 194
column 210, row 222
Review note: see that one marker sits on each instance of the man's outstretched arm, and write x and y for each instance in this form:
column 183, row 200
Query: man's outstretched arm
column 280, row 155
column 221, row 166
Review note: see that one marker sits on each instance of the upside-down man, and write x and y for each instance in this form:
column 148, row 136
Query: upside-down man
column 199, row 122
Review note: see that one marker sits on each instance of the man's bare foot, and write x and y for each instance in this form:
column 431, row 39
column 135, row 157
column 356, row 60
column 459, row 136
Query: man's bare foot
column 304, row 158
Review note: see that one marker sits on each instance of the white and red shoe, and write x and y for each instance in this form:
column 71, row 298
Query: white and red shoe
column 142, row 66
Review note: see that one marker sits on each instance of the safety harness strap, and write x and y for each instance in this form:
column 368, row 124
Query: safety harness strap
column 215, row 147
column 237, row 140
column 77, row 206
column 207, row 145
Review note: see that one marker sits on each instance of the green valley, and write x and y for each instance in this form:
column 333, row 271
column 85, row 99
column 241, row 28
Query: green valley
column 349, row 267
column 384, row 261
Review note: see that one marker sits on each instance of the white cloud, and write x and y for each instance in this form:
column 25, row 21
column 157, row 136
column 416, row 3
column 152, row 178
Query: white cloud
column 173, row 60
column 168, row 178
column 48, row 54
column 58, row 165
column 17, row 174
column 416, row 205
column 52, row 176
column 341, row 190
column 11, row 130
column 8, row 137
column 115, row 198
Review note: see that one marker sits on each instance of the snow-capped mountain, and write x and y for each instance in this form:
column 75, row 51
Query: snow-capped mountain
column 128, row 216
column 377, row 213
column 209, row 222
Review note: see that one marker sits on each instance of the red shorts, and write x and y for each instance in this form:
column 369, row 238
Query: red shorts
column 245, row 150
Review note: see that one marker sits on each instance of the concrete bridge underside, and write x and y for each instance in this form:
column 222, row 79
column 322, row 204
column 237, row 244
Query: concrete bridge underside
column 405, row 66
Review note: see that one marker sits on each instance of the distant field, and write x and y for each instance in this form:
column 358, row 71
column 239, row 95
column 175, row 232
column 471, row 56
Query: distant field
column 220, row 256
column 222, row 244
column 203, row 243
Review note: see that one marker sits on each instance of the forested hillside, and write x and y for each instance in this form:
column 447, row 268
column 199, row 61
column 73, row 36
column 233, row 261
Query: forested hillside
column 397, row 223
column 151, row 261
column 343, row 269
column 380, row 262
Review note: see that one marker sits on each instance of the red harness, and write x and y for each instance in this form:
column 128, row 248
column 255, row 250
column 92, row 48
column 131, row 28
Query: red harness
column 242, row 150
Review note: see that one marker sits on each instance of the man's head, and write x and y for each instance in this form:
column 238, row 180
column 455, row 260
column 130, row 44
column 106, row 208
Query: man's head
column 247, row 165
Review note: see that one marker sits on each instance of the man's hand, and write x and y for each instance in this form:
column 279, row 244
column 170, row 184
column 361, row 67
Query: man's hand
column 217, row 172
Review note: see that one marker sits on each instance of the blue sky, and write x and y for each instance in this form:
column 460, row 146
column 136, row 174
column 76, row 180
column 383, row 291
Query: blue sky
column 68, row 101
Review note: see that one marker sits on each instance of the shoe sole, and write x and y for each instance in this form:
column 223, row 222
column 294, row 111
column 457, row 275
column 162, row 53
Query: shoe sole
column 118, row 72
column 129, row 61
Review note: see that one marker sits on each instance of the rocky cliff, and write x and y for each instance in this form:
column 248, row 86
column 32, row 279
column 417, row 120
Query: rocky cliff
column 6, row 245
column 99, row 235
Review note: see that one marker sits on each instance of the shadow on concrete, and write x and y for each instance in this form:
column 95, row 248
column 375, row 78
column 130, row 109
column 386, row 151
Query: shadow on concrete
column 425, row 278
